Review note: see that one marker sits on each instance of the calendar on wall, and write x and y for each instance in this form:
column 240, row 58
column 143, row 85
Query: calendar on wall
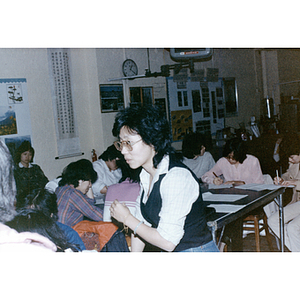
column 65, row 122
column 15, row 123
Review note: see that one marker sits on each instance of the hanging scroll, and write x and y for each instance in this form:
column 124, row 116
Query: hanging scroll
column 65, row 122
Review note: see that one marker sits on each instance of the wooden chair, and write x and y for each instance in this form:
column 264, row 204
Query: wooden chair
column 252, row 223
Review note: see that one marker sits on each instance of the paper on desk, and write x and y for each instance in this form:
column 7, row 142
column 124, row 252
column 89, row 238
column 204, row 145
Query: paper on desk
column 221, row 197
column 212, row 186
column 258, row 187
column 226, row 208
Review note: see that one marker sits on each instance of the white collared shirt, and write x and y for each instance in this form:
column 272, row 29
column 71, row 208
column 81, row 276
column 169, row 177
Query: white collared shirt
column 21, row 166
column 179, row 190
column 105, row 177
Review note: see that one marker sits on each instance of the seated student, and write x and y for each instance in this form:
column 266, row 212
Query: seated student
column 45, row 201
column 108, row 172
column 292, row 210
column 75, row 197
column 34, row 220
column 28, row 176
column 10, row 239
column 236, row 166
column 195, row 156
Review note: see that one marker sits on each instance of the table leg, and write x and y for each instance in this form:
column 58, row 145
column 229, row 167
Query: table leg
column 213, row 227
column 281, row 222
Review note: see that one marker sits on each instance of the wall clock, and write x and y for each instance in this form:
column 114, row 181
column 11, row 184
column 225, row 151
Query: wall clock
column 129, row 68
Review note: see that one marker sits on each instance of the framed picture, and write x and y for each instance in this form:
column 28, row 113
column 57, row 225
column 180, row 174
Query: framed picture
column 111, row 97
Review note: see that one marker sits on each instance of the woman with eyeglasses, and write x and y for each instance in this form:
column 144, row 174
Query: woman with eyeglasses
column 236, row 166
column 170, row 213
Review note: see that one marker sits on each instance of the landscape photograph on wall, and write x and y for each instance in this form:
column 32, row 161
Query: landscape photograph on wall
column 8, row 124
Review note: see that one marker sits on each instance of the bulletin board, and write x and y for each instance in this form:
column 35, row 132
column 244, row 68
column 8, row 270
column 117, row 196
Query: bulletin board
column 15, row 123
column 195, row 104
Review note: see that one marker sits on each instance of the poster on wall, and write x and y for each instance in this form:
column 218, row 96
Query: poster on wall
column 15, row 124
column 182, row 123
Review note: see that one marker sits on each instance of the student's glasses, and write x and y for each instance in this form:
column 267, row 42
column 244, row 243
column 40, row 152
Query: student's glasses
column 119, row 145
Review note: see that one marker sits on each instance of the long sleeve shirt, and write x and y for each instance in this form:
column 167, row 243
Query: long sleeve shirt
column 249, row 171
column 293, row 173
column 105, row 177
column 201, row 164
column 178, row 190
column 29, row 178
column 73, row 205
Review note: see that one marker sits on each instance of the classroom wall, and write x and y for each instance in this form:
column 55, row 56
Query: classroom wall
column 243, row 64
column 109, row 63
column 91, row 67
column 32, row 64
column 289, row 71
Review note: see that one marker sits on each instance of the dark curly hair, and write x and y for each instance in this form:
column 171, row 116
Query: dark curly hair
column 151, row 125
column 34, row 220
column 79, row 170
column 192, row 143
column 111, row 153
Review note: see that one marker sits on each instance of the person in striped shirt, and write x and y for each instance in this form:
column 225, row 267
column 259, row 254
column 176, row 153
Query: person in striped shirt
column 75, row 198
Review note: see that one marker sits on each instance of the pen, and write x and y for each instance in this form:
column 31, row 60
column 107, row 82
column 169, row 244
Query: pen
column 277, row 176
column 215, row 174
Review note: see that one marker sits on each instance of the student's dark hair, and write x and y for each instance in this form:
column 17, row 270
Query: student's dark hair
column 78, row 170
column 34, row 220
column 151, row 125
column 41, row 199
column 111, row 153
column 238, row 147
column 25, row 146
column 192, row 143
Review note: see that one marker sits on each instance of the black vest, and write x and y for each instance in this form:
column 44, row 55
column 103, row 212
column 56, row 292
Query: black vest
column 196, row 232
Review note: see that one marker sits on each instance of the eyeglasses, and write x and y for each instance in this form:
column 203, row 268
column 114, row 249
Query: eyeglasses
column 119, row 145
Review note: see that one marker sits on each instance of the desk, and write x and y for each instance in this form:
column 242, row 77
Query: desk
column 254, row 200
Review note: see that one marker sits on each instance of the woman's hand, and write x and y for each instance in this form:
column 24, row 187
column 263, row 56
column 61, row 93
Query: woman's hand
column 104, row 190
column 288, row 182
column 217, row 181
column 90, row 193
column 278, row 180
column 119, row 211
